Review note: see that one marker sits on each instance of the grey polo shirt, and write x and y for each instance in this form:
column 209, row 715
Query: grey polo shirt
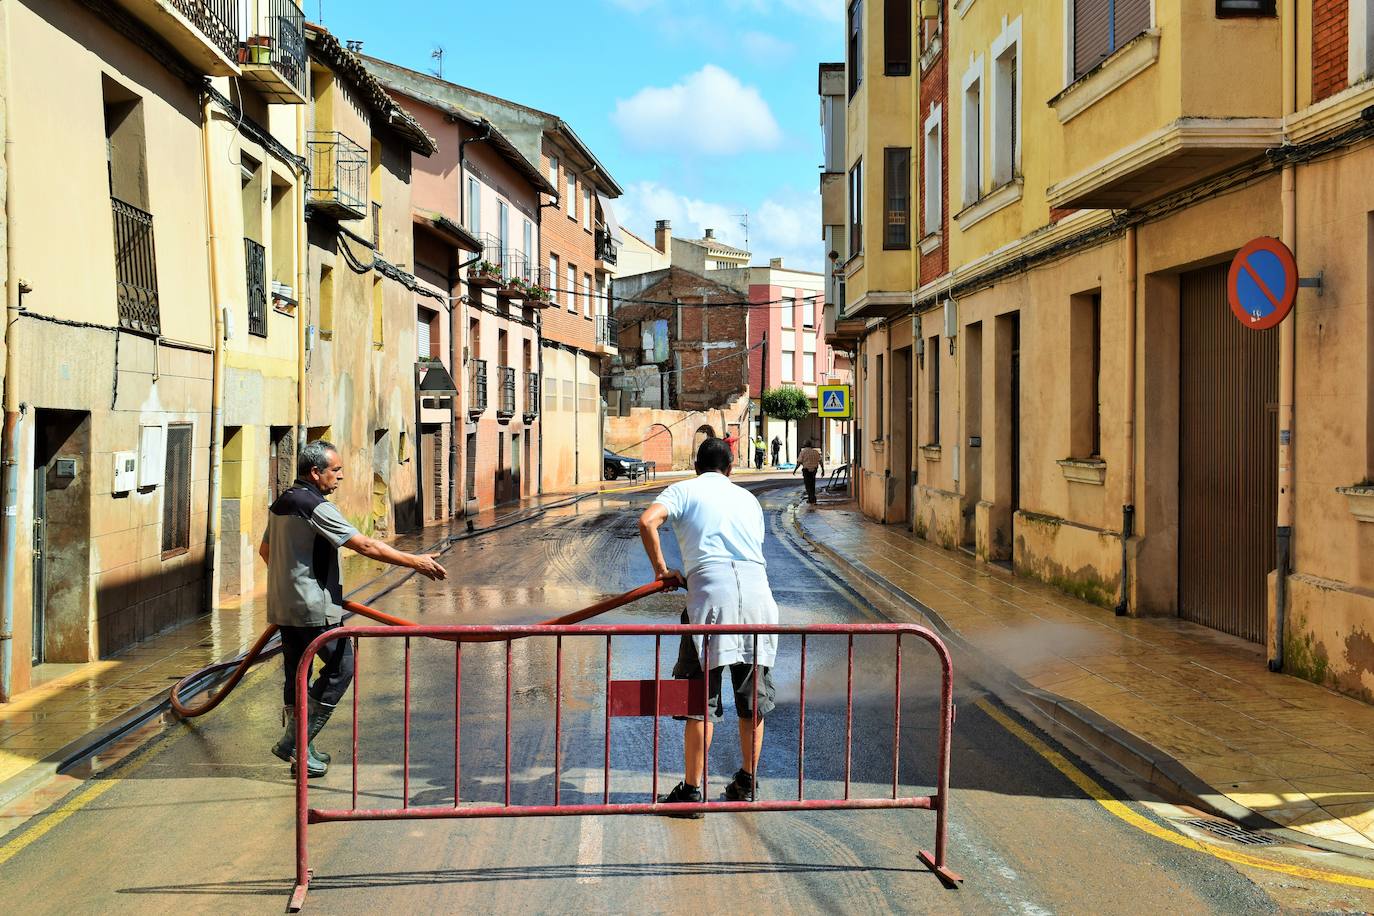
column 304, row 534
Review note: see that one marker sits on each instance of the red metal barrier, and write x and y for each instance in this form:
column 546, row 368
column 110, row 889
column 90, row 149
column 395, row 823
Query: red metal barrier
column 625, row 698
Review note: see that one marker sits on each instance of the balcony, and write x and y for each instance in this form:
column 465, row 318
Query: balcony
column 477, row 387
column 506, row 408
column 205, row 32
column 517, row 274
column 255, row 267
column 607, row 334
column 1148, row 110
column 605, row 245
column 531, row 396
column 273, row 55
column 135, row 269
column 338, row 176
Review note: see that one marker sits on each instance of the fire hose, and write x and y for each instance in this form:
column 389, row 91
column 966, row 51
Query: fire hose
column 259, row 652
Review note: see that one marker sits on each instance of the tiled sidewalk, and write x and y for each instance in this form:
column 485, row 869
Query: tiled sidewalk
column 1294, row 752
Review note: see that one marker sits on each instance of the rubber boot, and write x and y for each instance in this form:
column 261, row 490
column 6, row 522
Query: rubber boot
column 319, row 716
column 285, row 748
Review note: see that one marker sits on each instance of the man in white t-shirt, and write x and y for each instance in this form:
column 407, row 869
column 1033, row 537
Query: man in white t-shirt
column 720, row 529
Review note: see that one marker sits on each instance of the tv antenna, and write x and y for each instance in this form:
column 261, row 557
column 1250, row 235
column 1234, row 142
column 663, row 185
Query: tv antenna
column 438, row 55
column 744, row 224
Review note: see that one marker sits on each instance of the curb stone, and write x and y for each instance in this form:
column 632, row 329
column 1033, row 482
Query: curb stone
column 1063, row 717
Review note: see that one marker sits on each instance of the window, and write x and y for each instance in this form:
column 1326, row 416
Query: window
column 897, row 37
column 934, row 180
column 586, row 207
column 176, row 491
column 503, row 227
column 897, row 197
column 809, row 312
column 973, row 139
column 933, row 362
column 427, row 334
column 1006, row 105
column 1248, row 8
column 789, row 365
column 572, row 288
column 856, row 209
column 326, row 302
column 1102, row 26
column 553, row 277
column 854, row 58
column 1085, row 375
column 789, row 312
column 527, row 249
column 586, row 295
column 553, row 171
column 572, row 196
column 809, row 368
column 474, row 206
column 879, row 396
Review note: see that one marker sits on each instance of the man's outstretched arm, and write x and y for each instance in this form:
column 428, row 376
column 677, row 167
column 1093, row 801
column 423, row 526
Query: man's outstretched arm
column 425, row 564
column 649, row 522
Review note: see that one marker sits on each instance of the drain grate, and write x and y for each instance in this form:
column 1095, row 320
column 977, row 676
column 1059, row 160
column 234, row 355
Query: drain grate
column 1234, row 832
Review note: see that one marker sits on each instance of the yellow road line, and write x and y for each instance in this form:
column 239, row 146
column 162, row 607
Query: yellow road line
column 1118, row 809
column 83, row 798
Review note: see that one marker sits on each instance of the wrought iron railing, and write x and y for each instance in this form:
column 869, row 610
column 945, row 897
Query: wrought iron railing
column 135, row 268
column 507, row 408
column 531, row 393
column 217, row 20
column 607, row 331
column 255, row 266
column 477, row 385
column 338, row 173
column 279, row 25
column 605, row 246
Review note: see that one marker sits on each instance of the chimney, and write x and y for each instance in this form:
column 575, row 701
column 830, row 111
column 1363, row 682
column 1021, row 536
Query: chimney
column 710, row 233
column 663, row 236
column 354, row 45
column 775, row 262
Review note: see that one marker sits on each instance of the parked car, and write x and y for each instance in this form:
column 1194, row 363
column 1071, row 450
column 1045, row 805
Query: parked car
column 617, row 466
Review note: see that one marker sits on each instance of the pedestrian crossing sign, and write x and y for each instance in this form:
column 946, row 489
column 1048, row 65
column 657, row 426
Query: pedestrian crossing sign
column 833, row 402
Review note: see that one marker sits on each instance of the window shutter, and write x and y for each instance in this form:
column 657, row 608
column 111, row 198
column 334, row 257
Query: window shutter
column 1092, row 40
column 421, row 335
column 1132, row 18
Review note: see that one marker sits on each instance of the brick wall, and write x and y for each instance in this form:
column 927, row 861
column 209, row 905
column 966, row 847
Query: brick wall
column 1330, row 33
column 565, row 237
column 934, row 91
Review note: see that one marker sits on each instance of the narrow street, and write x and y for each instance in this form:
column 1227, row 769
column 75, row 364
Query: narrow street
column 203, row 815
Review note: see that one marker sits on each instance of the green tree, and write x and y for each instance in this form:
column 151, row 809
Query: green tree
column 789, row 405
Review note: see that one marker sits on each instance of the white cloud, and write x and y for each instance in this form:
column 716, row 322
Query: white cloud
column 787, row 224
column 709, row 112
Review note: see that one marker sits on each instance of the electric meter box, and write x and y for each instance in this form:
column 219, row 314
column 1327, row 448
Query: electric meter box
column 125, row 472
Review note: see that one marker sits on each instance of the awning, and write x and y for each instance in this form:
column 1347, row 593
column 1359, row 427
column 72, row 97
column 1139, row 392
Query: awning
column 436, row 381
column 611, row 224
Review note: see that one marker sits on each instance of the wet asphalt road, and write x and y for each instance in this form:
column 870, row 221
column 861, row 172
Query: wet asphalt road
column 203, row 820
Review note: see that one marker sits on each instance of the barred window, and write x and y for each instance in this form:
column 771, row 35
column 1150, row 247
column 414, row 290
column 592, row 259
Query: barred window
column 176, row 491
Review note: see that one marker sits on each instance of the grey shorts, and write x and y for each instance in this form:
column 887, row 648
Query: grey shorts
column 688, row 666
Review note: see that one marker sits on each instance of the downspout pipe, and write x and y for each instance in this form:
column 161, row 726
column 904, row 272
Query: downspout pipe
column 1287, row 352
column 303, row 292
column 212, row 532
column 9, row 444
column 452, row 337
column 1123, row 607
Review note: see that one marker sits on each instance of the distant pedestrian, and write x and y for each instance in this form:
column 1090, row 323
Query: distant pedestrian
column 809, row 461
column 759, row 447
column 719, row 528
column 305, row 588
column 777, row 450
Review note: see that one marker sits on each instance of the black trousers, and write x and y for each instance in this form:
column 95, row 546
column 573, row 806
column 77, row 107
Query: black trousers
column 810, row 478
column 758, row 458
column 335, row 675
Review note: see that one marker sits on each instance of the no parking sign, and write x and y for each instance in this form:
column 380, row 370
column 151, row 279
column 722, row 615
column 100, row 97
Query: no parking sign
column 1262, row 283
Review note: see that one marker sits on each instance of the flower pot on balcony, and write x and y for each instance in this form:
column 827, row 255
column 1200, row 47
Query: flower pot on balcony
column 486, row 274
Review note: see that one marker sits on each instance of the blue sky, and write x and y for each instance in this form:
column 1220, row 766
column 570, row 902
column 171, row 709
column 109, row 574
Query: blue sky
column 701, row 109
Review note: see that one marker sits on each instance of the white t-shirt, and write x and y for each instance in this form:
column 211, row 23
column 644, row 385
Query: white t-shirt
column 714, row 521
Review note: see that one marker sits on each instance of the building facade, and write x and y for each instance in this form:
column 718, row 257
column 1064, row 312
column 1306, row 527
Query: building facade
column 1065, row 381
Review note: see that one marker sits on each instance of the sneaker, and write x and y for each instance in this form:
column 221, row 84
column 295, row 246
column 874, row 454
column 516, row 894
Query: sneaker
column 742, row 788
column 682, row 793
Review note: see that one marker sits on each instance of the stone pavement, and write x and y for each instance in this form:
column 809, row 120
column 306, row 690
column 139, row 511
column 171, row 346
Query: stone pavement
column 1293, row 752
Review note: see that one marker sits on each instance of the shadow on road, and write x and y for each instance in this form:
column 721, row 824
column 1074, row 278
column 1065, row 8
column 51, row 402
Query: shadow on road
column 631, row 870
